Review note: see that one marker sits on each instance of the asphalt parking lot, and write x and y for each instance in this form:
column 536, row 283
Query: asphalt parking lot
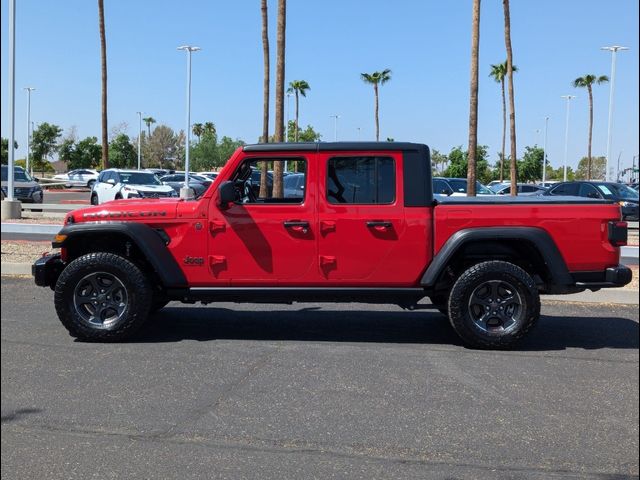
column 317, row 391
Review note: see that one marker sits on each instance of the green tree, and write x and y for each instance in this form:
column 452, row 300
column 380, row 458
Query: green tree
column 103, row 68
column 375, row 79
column 161, row 148
column 44, row 143
column 5, row 150
column 197, row 130
column 306, row 135
column 459, row 161
column 438, row 158
column 587, row 82
column 298, row 87
column 204, row 153
column 122, row 153
column 83, row 154
column 595, row 168
column 512, row 101
column 148, row 122
column 499, row 72
column 530, row 167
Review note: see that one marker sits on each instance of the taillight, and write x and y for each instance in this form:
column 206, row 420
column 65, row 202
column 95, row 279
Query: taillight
column 618, row 233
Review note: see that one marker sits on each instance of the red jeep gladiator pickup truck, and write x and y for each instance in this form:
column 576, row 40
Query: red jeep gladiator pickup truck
column 357, row 223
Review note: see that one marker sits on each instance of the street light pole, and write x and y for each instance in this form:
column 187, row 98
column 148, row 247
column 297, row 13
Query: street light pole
column 614, row 50
column 10, row 207
column 544, row 156
column 335, row 127
column 288, row 102
column 566, row 135
column 27, row 164
column 185, row 192
column 139, row 138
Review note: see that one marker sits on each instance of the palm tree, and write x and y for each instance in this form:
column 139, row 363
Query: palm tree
column 103, row 62
column 265, row 93
column 209, row 128
column 512, row 106
column 374, row 79
column 473, row 101
column 149, row 121
column 298, row 87
column 278, row 191
column 499, row 72
column 198, row 130
column 587, row 82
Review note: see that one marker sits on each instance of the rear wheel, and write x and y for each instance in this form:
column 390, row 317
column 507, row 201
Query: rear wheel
column 493, row 305
column 102, row 297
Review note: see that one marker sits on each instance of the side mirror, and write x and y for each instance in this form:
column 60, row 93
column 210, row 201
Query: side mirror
column 227, row 193
column 36, row 179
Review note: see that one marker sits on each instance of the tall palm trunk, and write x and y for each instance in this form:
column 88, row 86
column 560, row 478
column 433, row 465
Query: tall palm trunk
column 504, row 129
column 297, row 115
column 265, row 94
column 375, row 92
column 590, row 90
column 473, row 102
column 512, row 107
column 103, row 57
column 278, row 191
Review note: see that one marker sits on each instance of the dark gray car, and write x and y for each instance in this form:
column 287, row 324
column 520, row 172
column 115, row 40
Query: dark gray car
column 25, row 187
column 176, row 182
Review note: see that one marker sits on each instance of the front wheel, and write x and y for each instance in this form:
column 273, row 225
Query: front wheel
column 102, row 297
column 94, row 199
column 493, row 305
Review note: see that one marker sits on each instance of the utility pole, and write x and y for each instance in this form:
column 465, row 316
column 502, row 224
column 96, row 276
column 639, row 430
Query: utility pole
column 139, row 138
column 335, row 127
column 28, row 163
column 186, row 192
column 544, row 150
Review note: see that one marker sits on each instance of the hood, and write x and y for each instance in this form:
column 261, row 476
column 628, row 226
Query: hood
column 150, row 188
column 134, row 210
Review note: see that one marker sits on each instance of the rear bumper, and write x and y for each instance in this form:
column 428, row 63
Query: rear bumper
column 612, row 277
column 47, row 269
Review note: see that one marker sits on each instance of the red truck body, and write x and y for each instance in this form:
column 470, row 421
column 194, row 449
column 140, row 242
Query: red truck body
column 407, row 244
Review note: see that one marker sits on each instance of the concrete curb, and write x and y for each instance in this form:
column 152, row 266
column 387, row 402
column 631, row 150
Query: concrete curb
column 629, row 251
column 16, row 268
column 31, row 228
column 616, row 296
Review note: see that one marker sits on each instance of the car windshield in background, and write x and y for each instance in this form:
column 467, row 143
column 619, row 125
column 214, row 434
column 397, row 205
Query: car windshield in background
column 460, row 186
column 139, row 178
column 613, row 191
column 20, row 175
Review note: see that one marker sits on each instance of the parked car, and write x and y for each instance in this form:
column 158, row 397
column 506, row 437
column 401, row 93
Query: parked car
column 116, row 184
column 493, row 183
column 548, row 184
column 210, row 175
column 160, row 172
column 294, row 185
column 25, row 187
column 625, row 196
column 197, row 183
column 523, row 189
column 78, row 178
column 456, row 187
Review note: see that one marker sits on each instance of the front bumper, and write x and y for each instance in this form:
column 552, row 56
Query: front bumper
column 47, row 269
column 612, row 277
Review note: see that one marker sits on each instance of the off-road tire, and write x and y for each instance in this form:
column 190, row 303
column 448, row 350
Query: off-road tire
column 463, row 312
column 139, row 297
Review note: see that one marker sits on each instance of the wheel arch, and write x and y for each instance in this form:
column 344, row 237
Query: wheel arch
column 531, row 248
column 136, row 241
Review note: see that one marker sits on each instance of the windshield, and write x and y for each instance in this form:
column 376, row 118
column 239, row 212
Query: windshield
column 615, row 191
column 139, row 178
column 459, row 185
column 20, row 175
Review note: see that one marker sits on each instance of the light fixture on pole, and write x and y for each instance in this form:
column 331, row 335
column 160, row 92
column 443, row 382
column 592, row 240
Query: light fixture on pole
column 614, row 50
column 335, row 126
column 186, row 192
column 27, row 164
column 544, row 151
column 358, row 129
column 139, row 138
column 566, row 134
column 11, row 208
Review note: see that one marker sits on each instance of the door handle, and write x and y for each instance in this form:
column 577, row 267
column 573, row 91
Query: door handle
column 379, row 224
column 297, row 225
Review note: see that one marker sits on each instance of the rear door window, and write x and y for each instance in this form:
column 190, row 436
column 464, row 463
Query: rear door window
column 566, row 189
column 361, row 180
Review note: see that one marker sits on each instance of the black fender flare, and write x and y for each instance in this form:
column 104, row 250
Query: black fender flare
column 540, row 239
column 149, row 241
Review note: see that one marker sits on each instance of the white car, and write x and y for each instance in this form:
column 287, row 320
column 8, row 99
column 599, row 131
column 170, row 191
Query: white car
column 83, row 177
column 116, row 184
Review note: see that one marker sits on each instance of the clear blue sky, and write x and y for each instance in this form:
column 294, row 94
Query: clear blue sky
column 426, row 44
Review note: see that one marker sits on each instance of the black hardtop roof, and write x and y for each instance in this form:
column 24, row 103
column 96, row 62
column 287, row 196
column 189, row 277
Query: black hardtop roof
column 333, row 146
